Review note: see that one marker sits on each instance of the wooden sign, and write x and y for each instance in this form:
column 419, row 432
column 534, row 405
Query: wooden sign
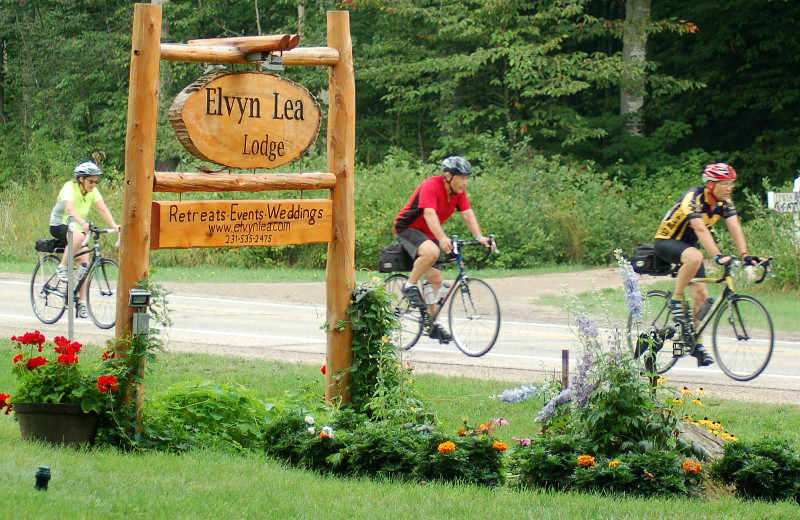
column 246, row 119
column 236, row 223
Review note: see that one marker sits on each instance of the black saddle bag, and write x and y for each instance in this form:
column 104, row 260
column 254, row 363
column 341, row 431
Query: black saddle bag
column 394, row 258
column 49, row 245
column 645, row 261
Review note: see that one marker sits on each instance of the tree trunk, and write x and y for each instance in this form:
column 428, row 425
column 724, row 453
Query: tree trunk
column 634, row 51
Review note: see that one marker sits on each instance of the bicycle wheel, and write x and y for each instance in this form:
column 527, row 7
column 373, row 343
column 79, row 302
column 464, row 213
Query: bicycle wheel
column 743, row 337
column 409, row 318
column 101, row 292
column 650, row 330
column 474, row 317
column 48, row 292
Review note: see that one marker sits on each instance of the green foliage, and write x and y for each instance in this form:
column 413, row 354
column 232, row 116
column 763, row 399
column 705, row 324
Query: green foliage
column 381, row 387
column 474, row 460
column 552, row 462
column 767, row 469
column 204, row 415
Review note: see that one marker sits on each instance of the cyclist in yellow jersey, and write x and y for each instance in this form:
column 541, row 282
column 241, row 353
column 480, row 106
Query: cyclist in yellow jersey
column 76, row 199
column 688, row 223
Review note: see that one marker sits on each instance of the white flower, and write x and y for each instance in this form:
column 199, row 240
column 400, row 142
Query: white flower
column 312, row 430
column 309, row 420
column 327, row 430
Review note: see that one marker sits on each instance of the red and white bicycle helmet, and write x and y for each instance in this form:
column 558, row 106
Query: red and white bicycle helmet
column 718, row 172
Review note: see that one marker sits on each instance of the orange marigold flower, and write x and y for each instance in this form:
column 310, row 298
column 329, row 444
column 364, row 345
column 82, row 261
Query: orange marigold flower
column 691, row 467
column 613, row 463
column 586, row 461
column 462, row 432
column 500, row 446
column 447, row 447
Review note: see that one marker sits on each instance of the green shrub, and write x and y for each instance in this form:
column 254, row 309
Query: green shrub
column 207, row 414
column 384, row 450
column 768, row 469
column 554, row 462
column 475, row 460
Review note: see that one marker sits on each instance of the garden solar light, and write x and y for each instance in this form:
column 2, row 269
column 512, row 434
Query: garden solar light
column 42, row 478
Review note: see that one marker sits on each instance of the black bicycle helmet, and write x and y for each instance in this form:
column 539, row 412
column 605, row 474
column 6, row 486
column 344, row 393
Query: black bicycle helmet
column 86, row 169
column 457, row 165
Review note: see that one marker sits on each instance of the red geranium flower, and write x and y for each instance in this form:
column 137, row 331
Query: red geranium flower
column 107, row 384
column 67, row 358
column 4, row 402
column 322, row 369
column 109, row 354
column 65, row 346
column 31, row 338
column 18, row 357
column 35, row 362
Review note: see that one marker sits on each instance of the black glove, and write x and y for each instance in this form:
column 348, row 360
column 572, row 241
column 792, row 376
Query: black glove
column 751, row 260
column 719, row 257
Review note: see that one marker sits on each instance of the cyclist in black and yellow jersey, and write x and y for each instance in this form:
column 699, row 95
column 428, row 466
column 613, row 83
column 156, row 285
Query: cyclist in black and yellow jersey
column 688, row 223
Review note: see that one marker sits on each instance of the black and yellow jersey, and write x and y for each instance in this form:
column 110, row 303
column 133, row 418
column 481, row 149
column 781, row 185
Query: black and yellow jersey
column 693, row 204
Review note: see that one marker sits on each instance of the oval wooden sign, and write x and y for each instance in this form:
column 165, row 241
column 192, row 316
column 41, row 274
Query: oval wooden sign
column 246, row 119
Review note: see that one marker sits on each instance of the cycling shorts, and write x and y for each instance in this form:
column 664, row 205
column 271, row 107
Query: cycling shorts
column 670, row 250
column 411, row 239
column 60, row 233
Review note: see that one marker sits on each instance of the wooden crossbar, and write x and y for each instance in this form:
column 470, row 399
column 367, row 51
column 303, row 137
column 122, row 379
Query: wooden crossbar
column 173, row 182
column 271, row 42
column 303, row 56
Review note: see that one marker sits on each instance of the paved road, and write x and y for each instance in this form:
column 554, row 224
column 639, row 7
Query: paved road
column 526, row 350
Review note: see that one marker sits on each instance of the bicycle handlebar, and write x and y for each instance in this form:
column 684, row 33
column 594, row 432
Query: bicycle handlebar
column 467, row 243
column 98, row 231
column 735, row 262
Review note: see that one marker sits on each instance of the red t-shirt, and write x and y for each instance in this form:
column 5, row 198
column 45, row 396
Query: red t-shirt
column 432, row 193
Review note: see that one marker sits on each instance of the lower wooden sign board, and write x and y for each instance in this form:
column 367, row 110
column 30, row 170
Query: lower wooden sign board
column 237, row 223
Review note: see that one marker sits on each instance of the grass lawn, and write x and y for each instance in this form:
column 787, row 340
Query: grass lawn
column 106, row 483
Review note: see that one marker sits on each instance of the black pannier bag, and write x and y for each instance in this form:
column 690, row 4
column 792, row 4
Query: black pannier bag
column 48, row 245
column 394, row 258
column 645, row 261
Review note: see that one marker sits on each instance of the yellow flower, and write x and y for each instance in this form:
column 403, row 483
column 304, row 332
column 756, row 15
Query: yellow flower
column 613, row 463
column 686, row 391
column 586, row 461
column 376, row 279
column 700, row 391
column 447, row 447
column 698, row 402
column 661, row 380
column 500, row 446
column 677, row 401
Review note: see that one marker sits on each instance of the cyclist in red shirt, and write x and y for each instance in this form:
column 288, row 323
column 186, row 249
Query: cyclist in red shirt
column 686, row 224
column 418, row 227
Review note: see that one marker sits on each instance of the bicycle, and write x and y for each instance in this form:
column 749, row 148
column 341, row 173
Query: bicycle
column 473, row 311
column 49, row 292
column 742, row 335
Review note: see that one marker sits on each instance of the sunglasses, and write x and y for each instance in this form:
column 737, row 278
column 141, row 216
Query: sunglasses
column 92, row 182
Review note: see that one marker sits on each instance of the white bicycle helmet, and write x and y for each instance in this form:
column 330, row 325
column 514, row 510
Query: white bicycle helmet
column 457, row 165
column 86, row 169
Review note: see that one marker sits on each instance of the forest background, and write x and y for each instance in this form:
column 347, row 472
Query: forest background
column 585, row 119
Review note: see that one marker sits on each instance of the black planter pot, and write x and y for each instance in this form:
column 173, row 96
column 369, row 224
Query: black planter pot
column 57, row 424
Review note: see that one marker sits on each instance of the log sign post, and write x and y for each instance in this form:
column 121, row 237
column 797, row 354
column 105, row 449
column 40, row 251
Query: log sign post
column 247, row 120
